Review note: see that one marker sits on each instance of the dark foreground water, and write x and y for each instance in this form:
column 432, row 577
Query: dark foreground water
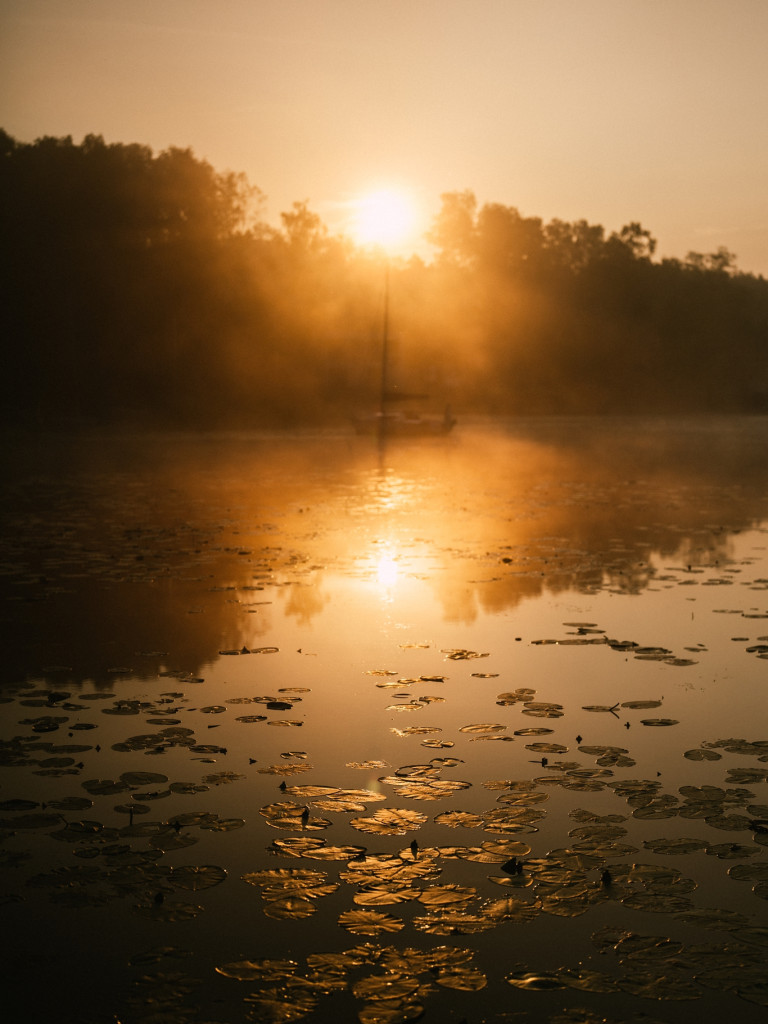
column 469, row 729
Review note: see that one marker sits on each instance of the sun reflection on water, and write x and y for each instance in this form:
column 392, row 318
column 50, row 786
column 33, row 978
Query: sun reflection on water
column 296, row 609
column 393, row 492
column 387, row 571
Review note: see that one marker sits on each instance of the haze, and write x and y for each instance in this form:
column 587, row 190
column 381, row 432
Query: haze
column 602, row 110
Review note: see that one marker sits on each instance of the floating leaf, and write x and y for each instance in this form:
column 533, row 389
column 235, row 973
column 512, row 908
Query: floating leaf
column 222, row 778
column 281, row 1005
column 447, row 895
column 290, row 908
column 452, row 922
column 71, row 803
column 384, row 897
column 459, row 819
column 539, row 709
column 143, row 778
column 390, row 822
column 297, row 847
column 377, row 870
column 749, row 872
column 511, row 909
column 188, row 788
column 195, row 878
column 285, row 769
column 18, row 805
column 731, row 851
column 461, row 978
column 586, row 981
column 390, row 1011
column 674, row 846
column 369, row 922
column 657, row 903
column 286, row 814
column 511, row 881
column 425, row 789
column 385, row 986
column 104, row 787
column 223, row 825
column 702, row 754
column 653, row 986
column 259, row 970
column 531, row 981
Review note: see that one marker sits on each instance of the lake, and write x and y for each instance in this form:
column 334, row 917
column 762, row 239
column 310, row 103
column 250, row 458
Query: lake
column 306, row 727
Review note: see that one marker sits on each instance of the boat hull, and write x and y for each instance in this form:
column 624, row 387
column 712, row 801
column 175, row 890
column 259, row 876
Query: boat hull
column 403, row 425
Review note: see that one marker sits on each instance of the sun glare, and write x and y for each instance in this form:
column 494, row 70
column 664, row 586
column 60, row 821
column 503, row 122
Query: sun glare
column 385, row 217
column 386, row 572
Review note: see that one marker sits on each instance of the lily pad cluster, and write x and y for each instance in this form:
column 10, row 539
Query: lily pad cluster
column 404, row 884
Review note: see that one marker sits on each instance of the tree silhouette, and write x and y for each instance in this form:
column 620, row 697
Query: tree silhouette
column 147, row 287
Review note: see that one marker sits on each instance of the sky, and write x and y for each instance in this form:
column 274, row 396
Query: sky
column 605, row 110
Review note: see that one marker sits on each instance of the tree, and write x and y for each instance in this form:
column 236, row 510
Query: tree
column 453, row 229
column 722, row 261
column 634, row 240
column 573, row 246
column 303, row 229
column 505, row 240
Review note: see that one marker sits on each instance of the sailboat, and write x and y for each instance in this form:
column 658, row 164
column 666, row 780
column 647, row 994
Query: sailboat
column 387, row 422
column 392, row 419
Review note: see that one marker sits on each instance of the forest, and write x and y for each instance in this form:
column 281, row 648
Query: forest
column 147, row 289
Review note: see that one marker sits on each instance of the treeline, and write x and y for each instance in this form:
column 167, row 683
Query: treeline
column 147, row 288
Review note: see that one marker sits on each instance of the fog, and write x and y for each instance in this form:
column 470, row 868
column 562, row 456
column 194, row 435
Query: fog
column 157, row 547
column 146, row 290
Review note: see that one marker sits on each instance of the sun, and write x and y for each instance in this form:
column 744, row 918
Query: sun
column 384, row 218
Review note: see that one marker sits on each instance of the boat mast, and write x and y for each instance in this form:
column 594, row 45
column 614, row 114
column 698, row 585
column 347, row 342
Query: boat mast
column 384, row 343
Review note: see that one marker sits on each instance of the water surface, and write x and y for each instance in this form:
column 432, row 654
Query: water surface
column 245, row 673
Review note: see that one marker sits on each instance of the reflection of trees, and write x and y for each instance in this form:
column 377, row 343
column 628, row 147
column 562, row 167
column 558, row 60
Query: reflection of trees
column 117, row 548
column 305, row 600
column 89, row 628
column 585, row 504
column 499, row 580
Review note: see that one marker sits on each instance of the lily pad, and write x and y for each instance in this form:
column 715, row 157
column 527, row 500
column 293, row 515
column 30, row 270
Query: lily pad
column 369, row 922
column 390, row 822
column 195, row 877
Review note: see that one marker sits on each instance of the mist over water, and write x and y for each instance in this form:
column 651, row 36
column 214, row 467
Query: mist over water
column 488, row 517
column 564, row 608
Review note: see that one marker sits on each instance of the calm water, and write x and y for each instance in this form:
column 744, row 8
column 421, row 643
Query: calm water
column 282, row 715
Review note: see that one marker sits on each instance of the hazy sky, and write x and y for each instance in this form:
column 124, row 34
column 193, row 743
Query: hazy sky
column 608, row 110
